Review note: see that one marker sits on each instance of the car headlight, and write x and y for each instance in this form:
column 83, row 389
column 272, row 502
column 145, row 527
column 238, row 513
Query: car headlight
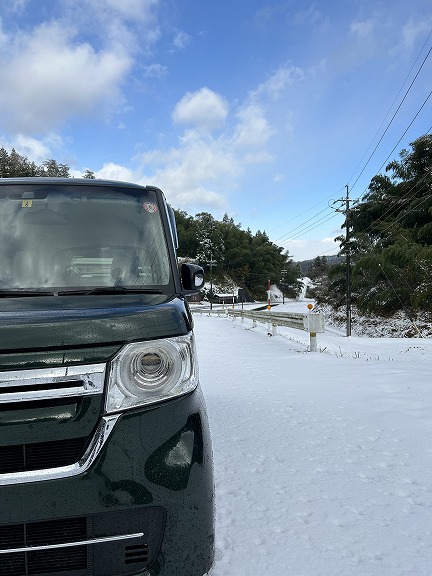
column 146, row 372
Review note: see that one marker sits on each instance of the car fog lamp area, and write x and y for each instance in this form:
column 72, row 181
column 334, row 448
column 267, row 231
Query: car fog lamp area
column 143, row 373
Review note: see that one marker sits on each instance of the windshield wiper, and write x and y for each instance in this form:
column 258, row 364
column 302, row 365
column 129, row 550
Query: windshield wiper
column 17, row 293
column 110, row 290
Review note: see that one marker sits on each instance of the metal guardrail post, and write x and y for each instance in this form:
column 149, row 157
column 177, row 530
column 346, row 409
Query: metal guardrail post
column 313, row 342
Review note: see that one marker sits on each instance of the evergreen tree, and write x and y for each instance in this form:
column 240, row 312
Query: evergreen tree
column 14, row 165
column 226, row 250
column 391, row 237
column 210, row 242
column 51, row 169
column 187, row 233
column 4, row 163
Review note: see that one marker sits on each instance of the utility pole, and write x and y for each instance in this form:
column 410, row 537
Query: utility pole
column 284, row 271
column 211, row 280
column 348, row 263
column 347, row 213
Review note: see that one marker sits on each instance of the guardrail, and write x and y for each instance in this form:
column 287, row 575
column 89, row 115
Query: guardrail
column 312, row 322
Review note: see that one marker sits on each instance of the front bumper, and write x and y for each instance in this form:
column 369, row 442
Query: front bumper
column 144, row 505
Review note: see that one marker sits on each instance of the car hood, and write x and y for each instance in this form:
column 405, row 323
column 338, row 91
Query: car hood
column 53, row 322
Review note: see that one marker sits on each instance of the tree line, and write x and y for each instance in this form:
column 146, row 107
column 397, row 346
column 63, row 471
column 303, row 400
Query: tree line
column 230, row 254
column 390, row 240
column 14, row 165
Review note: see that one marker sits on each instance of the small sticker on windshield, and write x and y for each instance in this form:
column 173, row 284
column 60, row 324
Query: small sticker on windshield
column 27, row 203
column 150, row 207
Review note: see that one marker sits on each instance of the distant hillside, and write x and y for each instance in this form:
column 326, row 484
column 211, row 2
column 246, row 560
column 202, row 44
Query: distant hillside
column 307, row 265
column 225, row 250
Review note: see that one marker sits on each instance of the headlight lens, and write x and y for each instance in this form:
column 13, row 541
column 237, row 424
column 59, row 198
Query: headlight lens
column 147, row 372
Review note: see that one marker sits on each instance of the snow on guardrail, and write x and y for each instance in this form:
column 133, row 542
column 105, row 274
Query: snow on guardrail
column 313, row 322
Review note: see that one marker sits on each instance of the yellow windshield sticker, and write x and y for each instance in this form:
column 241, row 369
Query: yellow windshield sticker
column 27, row 203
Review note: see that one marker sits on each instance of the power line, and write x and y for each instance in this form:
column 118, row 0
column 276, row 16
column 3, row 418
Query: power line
column 302, row 229
column 311, row 227
column 392, row 209
column 301, row 225
column 305, row 212
column 409, row 126
column 322, row 220
column 397, row 110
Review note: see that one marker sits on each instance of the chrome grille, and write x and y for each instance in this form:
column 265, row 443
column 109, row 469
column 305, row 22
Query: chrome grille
column 48, row 383
column 40, row 393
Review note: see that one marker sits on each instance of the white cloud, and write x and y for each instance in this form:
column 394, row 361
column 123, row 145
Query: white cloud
column 362, row 29
column 204, row 110
column 106, row 14
column 414, row 29
column 47, row 78
column 278, row 83
column 37, row 150
column 16, row 5
column 193, row 175
column 155, row 71
column 181, row 40
column 253, row 129
column 51, row 72
column 311, row 16
column 33, row 149
column 204, row 169
column 183, row 187
column 257, row 157
column 195, row 198
column 127, row 8
column 112, row 171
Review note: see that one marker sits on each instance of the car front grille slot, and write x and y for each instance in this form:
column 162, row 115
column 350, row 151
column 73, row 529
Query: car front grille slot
column 42, row 387
column 19, row 458
column 99, row 545
column 54, row 561
column 136, row 554
column 43, row 561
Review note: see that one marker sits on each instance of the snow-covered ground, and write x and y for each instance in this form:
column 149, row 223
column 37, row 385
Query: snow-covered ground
column 322, row 460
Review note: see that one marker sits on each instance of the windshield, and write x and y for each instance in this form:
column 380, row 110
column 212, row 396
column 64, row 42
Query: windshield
column 60, row 237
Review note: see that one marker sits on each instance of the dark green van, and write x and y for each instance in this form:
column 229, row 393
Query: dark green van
column 105, row 456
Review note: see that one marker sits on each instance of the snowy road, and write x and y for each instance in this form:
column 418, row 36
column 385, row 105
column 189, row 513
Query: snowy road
column 322, row 460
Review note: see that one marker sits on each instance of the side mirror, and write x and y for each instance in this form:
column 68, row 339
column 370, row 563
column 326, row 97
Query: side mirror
column 192, row 277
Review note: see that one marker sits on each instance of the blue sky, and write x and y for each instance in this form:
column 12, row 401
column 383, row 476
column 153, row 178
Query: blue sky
column 262, row 110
